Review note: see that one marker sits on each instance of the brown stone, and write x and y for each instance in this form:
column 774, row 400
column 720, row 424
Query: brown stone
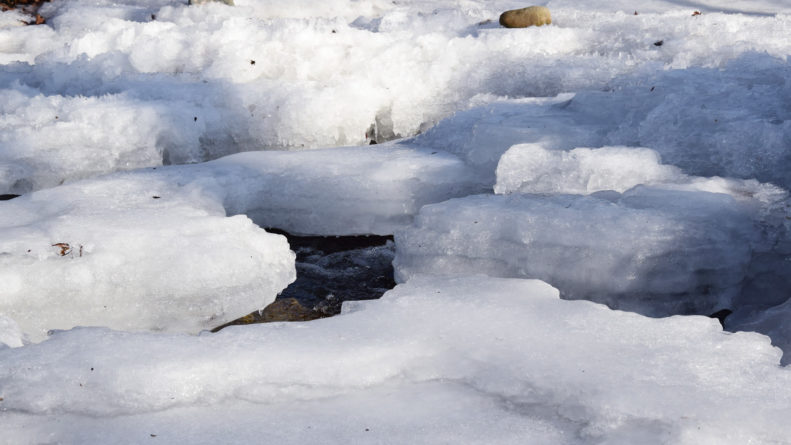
column 522, row 18
column 288, row 309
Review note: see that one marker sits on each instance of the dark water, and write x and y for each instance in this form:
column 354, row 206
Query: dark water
column 330, row 270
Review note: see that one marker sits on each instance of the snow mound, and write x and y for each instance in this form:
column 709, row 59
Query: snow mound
column 568, row 369
column 133, row 253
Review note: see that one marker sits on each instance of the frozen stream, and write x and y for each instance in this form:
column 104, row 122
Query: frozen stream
column 533, row 261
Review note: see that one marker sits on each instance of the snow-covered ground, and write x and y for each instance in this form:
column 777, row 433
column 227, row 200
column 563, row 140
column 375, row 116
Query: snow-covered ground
column 634, row 154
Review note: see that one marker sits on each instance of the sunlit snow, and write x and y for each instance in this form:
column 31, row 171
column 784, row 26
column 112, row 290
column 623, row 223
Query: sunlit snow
column 635, row 154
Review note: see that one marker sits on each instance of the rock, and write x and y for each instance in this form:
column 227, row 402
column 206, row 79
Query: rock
column 288, row 309
column 200, row 2
column 284, row 309
column 522, row 18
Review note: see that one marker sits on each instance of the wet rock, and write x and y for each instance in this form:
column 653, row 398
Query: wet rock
column 522, row 18
column 286, row 309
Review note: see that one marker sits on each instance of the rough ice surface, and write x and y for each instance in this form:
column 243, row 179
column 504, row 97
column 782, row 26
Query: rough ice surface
column 652, row 250
column 505, row 357
column 133, row 253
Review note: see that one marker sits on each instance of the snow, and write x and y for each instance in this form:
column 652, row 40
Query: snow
column 730, row 121
column 531, row 168
column 10, row 333
column 153, row 249
column 451, row 341
column 197, row 83
column 631, row 153
column 133, row 253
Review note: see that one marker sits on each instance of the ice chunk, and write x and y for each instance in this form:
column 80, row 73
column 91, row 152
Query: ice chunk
column 531, row 168
column 653, row 250
column 135, row 253
column 340, row 191
column 336, row 191
column 479, row 350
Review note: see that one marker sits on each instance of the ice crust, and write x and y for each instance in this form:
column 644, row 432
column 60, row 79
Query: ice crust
column 135, row 253
column 507, row 346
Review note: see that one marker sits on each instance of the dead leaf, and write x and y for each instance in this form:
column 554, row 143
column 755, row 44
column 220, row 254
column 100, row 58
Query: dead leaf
column 65, row 248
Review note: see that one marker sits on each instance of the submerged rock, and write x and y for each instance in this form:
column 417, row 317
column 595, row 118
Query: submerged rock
column 524, row 17
column 288, row 309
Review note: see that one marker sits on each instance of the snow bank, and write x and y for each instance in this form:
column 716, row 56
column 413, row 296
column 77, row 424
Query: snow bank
column 186, row 84
column 134, row 253
column 493, row 352
column 657, row 251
